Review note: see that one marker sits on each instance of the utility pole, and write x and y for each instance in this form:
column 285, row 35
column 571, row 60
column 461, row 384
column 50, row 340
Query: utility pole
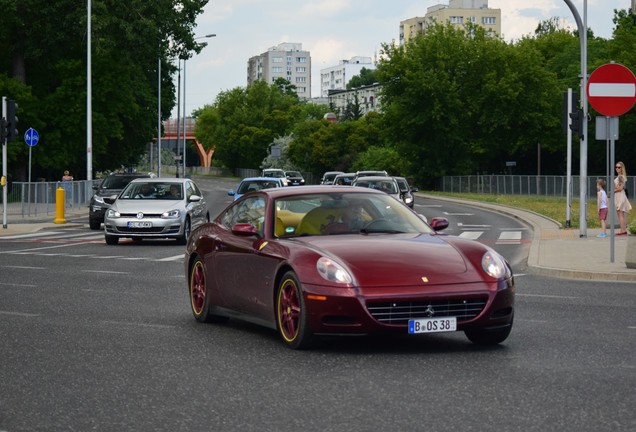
column 582, row 27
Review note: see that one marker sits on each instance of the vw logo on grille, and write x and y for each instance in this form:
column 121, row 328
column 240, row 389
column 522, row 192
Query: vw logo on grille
column 429, row 312
column 140, row 215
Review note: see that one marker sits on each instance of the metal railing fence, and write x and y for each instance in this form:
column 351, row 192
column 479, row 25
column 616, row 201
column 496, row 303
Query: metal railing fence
column 38, row 198
column 524, row 185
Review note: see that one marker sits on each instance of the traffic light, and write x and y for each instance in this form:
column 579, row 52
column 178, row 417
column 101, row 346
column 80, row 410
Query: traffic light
column 11, row 120
column 576, row 125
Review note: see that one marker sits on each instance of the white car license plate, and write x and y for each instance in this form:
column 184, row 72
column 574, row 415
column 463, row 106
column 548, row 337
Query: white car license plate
column 139, row 224
column 432, row 325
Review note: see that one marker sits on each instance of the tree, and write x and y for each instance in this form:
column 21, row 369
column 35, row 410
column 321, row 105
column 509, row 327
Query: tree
column 127, row 39
column 366, row 77
column 320, row 146
column 460, row 101
column 243, row 122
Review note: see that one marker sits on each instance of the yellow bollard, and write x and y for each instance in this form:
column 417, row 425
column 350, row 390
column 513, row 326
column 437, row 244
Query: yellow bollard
column 60, row 201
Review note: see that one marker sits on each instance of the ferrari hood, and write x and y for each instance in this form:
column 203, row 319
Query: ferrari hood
column 392, row 259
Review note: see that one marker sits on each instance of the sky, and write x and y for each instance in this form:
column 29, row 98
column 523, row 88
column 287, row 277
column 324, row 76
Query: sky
column 334, row 30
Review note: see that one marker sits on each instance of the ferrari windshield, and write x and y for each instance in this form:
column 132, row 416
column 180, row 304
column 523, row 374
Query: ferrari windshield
column 344, row 213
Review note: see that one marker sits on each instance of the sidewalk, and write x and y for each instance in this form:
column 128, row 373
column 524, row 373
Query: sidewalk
column 561, row 253
column 554, row 251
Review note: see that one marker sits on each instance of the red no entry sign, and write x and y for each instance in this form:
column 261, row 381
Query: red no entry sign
column 611, row 89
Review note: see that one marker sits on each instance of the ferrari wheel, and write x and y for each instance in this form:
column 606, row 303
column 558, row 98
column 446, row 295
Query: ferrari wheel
column 199, row 295
column 489, row 336
column 291, row 314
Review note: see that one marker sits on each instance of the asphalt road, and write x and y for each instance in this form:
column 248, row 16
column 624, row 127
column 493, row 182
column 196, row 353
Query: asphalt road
column 97, row 337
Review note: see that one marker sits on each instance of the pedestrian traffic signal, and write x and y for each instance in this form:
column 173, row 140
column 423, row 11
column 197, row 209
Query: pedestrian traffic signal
column 576, row 124
column 12, row 121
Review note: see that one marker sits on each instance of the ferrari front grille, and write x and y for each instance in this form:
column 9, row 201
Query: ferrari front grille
column 399, row 313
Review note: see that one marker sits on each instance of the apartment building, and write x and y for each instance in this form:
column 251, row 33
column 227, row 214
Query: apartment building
column 337, row 77
column 457, row 12
column 285, row 60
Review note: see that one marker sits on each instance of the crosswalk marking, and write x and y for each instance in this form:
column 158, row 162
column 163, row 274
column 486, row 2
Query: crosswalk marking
column 473, row 235
column 509, row 237
column 505, row 237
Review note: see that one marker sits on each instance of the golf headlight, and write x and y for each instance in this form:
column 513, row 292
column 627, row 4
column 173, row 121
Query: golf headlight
column 98, row 199
column 171, row 214
column 494, row 265
column 408, row 200
column 112, row 213
column 332, row 271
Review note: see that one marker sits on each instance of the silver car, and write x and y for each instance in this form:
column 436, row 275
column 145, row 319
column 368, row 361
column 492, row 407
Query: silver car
column 156, row 208
column 385, row 184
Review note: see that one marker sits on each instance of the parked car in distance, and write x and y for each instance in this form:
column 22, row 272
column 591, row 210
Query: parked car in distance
column 106, row 193
column 294, row 178
column 156, row 208
column 276, row 173
column 251, row 184
column 406, row 191
column 385, row 184
column 344, row 179
column 327, row 260
column 327, row 178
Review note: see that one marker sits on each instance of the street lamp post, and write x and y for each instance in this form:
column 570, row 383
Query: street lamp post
column 158, row 119
column 202, row 45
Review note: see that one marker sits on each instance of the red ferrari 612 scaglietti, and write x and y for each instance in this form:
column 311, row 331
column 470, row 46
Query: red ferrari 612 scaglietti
column 337, row 260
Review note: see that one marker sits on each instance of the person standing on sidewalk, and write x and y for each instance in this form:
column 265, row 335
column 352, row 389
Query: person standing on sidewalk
column 601, row 203
column 66, row 179
column 620, row 198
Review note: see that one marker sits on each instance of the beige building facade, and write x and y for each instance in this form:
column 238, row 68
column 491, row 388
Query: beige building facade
column 457, row 12
column 367, row 97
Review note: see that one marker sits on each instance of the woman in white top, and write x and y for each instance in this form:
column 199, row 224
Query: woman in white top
column 620, row 199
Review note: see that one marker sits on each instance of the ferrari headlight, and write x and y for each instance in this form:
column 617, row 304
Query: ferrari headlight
column 171, row 214
column 408, row 200
column 112, row 213
column 494, row 265
column 332, row 271
column 98, row 199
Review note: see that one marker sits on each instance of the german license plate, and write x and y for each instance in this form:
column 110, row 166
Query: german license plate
column 139, row 224
column 432, row 325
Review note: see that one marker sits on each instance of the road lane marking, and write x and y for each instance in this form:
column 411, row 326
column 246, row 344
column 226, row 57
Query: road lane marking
column 105, row 271
column 17, row 285
column 124, row 323
column 546, row 296
column 458, row 214
column 21, row 314
column 463, row 225
column 40, row 248
column 172, row 258
column 30, row 235
column 24, row 267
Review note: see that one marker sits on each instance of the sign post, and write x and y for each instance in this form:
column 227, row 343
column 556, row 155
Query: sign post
column 611, row 91
column 31, row 138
